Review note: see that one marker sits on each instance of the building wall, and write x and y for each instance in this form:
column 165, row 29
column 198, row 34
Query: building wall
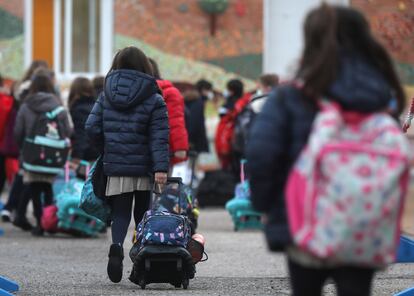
column 180, row 28
column 393, row 24
column 176, row 32
column 11, row 38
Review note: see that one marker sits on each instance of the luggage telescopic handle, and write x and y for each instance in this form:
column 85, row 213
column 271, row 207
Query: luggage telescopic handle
column 174, row 180
column 179, row 182
column 170, row 180
column 192, row 153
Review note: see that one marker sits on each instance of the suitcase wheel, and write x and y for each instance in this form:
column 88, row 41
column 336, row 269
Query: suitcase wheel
column 185, row 283
column 142, row 284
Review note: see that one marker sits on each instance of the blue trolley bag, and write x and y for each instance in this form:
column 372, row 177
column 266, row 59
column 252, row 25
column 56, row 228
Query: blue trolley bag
column 160, row 252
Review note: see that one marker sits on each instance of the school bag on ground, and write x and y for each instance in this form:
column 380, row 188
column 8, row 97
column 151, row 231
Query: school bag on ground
column 240, row 207
column 65, row 215
column 345, row 193
column 45, row 150
column 216, row 188
column 160, row 252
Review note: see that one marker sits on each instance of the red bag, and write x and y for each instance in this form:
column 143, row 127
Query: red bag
column 225, row 131
column 12, row 168
column 49, row 219
column 6, row 104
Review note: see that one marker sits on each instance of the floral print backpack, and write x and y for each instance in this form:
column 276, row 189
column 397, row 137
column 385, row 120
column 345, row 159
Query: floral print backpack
column 346, row 191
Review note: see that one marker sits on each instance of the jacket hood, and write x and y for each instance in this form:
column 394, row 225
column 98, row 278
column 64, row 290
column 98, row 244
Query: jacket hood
column 360, row 87
column 164, row 84
column 127, row 88
column 42, row 102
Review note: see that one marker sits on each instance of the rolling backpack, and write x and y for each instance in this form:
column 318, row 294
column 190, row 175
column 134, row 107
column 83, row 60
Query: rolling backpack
column 45, row 150
column 346, row 191
column 65, row 216
column 163, row 228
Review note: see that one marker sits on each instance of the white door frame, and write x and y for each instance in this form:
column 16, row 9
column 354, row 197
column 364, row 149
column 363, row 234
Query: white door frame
column 106, row 37
column 28, row 33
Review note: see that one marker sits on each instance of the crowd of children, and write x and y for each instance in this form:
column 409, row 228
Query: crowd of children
column 139, row 125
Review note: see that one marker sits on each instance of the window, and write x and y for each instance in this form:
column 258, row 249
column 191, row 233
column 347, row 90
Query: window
column 80, row 44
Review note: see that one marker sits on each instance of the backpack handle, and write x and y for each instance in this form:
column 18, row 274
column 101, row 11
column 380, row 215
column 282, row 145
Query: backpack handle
column 242, row 170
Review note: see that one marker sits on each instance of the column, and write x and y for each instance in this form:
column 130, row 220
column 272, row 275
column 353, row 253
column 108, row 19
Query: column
column 283, row 41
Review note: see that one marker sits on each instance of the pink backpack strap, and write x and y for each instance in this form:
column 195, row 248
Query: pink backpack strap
column 242, row 171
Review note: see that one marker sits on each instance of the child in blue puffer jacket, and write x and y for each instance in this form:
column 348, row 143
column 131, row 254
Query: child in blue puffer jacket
column 129, row 122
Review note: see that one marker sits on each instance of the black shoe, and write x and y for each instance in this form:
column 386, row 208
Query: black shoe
column 37, row 231
column 23, row 224
column 116, row 256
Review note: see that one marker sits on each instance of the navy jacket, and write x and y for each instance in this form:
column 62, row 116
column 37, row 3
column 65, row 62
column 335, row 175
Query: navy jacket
column 281, row 131
column 82, row 146
column 195, row 124
column 130, row 121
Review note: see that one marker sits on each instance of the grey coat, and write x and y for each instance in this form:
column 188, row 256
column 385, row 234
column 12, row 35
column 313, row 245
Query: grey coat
column 30, row 110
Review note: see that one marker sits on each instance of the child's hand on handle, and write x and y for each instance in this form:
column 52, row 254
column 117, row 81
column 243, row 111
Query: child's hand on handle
column 161, row 178
column 406, row 126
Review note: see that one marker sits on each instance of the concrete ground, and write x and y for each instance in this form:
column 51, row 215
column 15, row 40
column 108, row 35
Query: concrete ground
column 239, row 264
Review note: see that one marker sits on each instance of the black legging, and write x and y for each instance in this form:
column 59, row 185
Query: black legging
column 15, row 194
column 34, row 191
column 349, row 281
column 121, row 212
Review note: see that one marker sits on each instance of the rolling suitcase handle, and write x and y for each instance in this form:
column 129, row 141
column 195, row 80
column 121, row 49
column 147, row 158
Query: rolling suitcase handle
column 193, row 157
column 170, row 180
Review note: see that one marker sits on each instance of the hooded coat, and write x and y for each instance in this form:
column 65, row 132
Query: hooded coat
column 281, row 131
column 32, row 107
column 130, row 122
column 195, row 122
column 82, row 147
column 176, row 118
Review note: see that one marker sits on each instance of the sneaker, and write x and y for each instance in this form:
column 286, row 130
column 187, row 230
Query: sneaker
column 37, row 231
column 116, row 256
column 5, row 216
column 23, row 224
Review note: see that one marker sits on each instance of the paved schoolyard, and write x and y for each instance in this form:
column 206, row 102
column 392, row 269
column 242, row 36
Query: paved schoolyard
column 239, row 265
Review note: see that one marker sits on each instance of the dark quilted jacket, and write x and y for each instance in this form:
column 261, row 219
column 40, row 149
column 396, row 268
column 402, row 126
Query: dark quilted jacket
column 130, row 121
column 281, row 130
column 82, row 147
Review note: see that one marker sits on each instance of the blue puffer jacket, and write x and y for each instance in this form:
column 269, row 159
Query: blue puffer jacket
column 281, row 131
column 130, row 121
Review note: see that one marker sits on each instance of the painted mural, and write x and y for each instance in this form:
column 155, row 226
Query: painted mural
column 191, row 40
column 393, row 23
column 11, row 38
